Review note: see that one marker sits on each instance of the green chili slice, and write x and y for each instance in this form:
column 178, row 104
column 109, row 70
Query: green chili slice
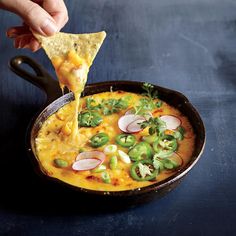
column 89, row 119
column 141, row 151
column 170, row 164
column 99, row 140
column 143, row 170
column 165, row 146
column 125, row 140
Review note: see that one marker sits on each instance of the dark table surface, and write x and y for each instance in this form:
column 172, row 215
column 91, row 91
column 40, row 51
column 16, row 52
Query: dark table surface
column 186, row 45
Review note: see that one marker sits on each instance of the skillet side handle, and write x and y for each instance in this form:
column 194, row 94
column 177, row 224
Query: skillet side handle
column 41, row 78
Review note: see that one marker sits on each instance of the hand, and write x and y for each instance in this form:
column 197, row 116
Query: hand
column 45, row 17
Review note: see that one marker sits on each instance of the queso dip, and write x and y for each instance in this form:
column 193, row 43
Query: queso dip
column 123, row 141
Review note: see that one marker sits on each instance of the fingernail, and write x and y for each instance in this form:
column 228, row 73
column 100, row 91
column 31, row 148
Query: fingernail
column 49, row 27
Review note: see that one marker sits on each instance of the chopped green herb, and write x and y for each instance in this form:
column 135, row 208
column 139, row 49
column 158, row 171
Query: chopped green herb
column 156, row 125
column 147, row 103
column 108, row 106
column 89, row 119
column 89, row 104
column 150, row 91
column 159, row 104
column 111, row 106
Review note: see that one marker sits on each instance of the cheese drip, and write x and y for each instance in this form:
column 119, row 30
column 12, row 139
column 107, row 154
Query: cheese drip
column 72, row 73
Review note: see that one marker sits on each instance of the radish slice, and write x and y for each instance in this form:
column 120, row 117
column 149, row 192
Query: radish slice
column 125, row 120
column 135, row 126
column 86, row 164
column 172, row 122
column 91, row 155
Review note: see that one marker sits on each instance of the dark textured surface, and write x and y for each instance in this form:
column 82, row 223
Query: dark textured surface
column 186, row 45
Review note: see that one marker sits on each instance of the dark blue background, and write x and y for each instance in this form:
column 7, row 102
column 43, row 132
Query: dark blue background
column 186, row 45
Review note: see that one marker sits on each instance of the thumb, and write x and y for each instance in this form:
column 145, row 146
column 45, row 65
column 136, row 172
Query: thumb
column 35, row 17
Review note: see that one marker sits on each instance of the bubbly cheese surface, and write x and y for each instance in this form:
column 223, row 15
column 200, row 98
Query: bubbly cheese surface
column 53, row 141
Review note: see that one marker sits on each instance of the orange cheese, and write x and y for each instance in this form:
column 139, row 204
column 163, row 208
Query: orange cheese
column 53, row 142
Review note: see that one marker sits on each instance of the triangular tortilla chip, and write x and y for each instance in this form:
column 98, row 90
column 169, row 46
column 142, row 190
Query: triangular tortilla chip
column 86, row 45
column 72, row 55
column 58, row 47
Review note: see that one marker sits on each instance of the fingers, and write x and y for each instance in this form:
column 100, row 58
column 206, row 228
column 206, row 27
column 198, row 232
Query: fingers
column 43, row 16
column 22, row 40
column 58, row 10
column 34, row 45
column 26, row 40
column 13, row 32
column 35, row 16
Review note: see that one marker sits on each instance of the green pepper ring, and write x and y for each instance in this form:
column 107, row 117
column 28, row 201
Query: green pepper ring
column 99, row 140
column 134, row 174
column 136, row 153
column 161, row 151
column 125, row 140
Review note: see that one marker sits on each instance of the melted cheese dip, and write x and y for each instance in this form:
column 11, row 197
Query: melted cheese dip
column 53, row 141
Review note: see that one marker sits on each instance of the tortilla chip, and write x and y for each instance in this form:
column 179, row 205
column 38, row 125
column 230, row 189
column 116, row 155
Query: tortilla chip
column 86, row 45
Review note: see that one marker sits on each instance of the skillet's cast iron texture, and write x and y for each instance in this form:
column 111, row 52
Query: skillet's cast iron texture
column 55, row 101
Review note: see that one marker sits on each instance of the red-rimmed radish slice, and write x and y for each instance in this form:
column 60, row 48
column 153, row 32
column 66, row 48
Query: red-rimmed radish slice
column 135, row 126
column 91, row 155
column 125, row 120
column 86, row 164
column 172, row 122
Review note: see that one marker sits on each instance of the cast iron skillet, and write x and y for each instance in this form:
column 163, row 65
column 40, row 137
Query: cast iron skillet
column 55, row 100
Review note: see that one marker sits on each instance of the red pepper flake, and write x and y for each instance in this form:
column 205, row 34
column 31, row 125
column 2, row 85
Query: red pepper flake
column 115, row 182
column 93, row 178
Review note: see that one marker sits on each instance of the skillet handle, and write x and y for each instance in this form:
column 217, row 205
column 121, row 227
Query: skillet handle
column 41, row 78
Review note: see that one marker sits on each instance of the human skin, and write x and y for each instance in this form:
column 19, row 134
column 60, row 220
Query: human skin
column 45, row 17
